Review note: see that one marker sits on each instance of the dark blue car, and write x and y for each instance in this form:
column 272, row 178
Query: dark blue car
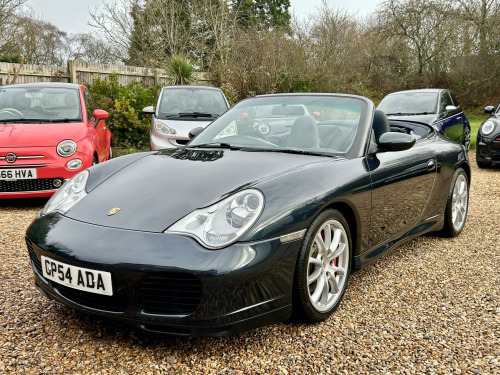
column 436, row 107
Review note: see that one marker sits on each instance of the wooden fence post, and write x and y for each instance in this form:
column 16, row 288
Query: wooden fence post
column 72, row 71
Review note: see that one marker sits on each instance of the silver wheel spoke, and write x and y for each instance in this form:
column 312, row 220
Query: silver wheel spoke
column 320, row 286
column 314, row 276
column 334, row 284
column 336, row 270
column 321, row 244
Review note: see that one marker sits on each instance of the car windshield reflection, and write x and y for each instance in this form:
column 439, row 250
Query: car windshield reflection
column 309, row 124
column 39, row 105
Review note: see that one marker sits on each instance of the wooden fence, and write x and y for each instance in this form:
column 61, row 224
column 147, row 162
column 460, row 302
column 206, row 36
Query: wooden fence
column 84, row 73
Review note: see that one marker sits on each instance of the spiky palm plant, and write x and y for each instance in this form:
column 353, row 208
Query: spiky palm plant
column 181, row 70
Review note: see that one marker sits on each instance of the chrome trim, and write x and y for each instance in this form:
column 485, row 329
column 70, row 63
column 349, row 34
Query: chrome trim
column 293, row 236
column 26, row 157
column 23, row 166
column 28, row 191
column 432, row 217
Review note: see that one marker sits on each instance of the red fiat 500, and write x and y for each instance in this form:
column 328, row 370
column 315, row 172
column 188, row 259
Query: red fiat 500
column 48, row 133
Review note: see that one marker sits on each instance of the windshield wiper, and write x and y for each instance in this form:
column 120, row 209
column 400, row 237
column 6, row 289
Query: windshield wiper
column 197, row 114
column 216, row 145
column 38, row 120
column 300, row 152
column 24, row 120
column 65, row 120
column 408, row 114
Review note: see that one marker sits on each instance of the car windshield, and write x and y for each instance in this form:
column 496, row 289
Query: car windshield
column 409, row 103
column 288, row 123
column 191, row 102
column 39, row 104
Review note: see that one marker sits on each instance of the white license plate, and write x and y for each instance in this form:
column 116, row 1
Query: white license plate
column 85, row 279
column 18, row 174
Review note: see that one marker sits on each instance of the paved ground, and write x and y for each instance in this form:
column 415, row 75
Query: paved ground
column 430, row 307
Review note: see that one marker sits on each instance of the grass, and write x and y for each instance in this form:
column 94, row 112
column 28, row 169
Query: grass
column 475, row 121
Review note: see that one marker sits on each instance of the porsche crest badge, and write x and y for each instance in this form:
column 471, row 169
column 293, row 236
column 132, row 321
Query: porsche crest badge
column 113, row 211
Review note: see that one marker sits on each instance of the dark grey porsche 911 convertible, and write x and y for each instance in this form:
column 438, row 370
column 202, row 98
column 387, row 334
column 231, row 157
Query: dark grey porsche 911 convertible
column 262, row 215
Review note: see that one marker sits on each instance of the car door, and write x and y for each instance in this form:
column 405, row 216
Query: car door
column 402, row 183
column 451, row 123
column 99, row 134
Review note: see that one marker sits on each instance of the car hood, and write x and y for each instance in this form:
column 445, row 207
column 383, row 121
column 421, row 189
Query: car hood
column 183, row 127
column 36, row 135
column 157, row 190
column 426, row 119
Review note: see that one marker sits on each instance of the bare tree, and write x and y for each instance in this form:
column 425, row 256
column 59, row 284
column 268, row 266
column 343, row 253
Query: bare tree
column 88, row 47
column 38, row 41
column 114, row 25
column 484, row 15
column 424, row 25
column 9, row 10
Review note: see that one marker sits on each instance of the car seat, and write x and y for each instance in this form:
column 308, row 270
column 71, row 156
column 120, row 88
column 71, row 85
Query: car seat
column 304, row 133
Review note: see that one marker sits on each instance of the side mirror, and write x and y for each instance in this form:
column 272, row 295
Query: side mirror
column 100, row 114
column 450, row 108
column 396, row 141
column 489, row 109
column 194, row 132
column 149, row 110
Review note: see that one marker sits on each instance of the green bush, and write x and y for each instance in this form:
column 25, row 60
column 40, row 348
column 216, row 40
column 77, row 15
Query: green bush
column 128, row 125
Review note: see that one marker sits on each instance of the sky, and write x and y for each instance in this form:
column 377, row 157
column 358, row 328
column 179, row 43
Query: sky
column 73, row 16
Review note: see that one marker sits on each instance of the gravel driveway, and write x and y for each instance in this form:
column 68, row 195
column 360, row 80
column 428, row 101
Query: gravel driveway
column 430, row 307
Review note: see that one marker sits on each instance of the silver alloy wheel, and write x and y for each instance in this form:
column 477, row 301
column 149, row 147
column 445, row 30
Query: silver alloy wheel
column 327, row 265
column 459, row 202
column 467, row 138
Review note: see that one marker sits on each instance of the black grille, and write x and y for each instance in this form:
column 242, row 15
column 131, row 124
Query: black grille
column 36, row 262
column 169, row 293
column 115, row 303
column 27, row 185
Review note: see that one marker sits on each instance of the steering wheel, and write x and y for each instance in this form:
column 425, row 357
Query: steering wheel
column 12, row 111
column 175, row 108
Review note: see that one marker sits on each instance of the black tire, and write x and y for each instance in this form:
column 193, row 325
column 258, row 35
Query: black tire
column 94, row 160
column 457, row 204
column 110, row 155
column 482, row 164
column 311, row 262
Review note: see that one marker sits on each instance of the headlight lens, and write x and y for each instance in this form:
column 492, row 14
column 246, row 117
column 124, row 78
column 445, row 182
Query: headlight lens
column 68, row 195
column 74, row 164
column 222, row 223
column 488, row 127
column 164, row 129
column 228, row 130
column 66, row 148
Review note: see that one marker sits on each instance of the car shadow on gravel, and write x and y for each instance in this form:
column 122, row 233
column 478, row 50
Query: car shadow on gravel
column 21, row 203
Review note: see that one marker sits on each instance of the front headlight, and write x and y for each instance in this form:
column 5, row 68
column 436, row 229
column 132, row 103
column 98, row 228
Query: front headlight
column 164, row 129
column 68, row 195
column 66, row 148
column 488, row 127
column 222, row 223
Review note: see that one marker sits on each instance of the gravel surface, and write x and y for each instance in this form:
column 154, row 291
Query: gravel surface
column 430, row 307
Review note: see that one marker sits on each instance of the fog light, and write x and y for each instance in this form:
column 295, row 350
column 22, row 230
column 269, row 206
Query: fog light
column 57, row 183
column 74, row 164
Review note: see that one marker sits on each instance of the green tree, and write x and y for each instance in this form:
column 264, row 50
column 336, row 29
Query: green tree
column 263, row 14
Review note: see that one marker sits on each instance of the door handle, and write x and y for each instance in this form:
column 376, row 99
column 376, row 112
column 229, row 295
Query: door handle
column 431, row 165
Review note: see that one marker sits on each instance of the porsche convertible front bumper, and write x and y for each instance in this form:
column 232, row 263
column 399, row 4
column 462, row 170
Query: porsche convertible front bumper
column 168, row 283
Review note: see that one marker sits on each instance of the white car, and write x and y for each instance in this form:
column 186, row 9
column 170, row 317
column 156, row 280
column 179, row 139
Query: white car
column 180, row 109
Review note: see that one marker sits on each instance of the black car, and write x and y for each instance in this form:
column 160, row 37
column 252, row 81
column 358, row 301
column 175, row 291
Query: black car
column 436, row 107
column 237, row 229
column 488, row 139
